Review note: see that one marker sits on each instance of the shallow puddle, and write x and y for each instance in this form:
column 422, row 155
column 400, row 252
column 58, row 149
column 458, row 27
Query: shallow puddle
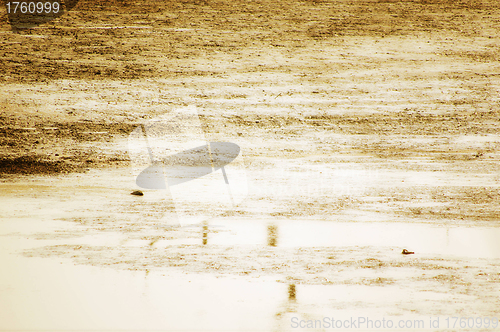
column 43, row 294
column 96, row 210
column 47, row 294
column 481, row 242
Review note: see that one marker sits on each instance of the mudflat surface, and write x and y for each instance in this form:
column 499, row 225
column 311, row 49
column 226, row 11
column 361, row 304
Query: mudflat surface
column 383, row 112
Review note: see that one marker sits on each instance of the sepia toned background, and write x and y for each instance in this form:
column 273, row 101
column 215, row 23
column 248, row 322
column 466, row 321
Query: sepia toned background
column 366, row 126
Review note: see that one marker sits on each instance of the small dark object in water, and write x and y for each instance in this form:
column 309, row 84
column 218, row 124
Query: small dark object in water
column 406, row 252
column 137, row 192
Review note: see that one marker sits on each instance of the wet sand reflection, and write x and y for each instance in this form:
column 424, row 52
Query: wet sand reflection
column 272, row 235
column 205, row 233
column 291, row 292
column 288, row 307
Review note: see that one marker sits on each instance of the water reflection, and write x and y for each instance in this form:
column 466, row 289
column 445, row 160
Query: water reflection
column 291, row 292
column 272, row 235
column 288, row 307
column 205, row 233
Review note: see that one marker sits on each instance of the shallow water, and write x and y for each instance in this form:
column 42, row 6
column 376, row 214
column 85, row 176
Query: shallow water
column 48, row 294
column 480, row 242
column 52, row 293
column 57, row 296
column 43, row 294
